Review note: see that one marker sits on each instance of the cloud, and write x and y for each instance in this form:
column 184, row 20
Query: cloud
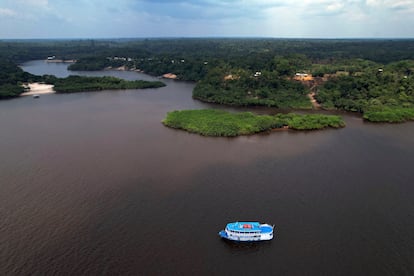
column 36, row 3
column 374, row 2
column 7, row 12
column 335, row 7
column 402, row 5
column 26, row 9
column 391, row 4
column 276, row 18
column 206, row 9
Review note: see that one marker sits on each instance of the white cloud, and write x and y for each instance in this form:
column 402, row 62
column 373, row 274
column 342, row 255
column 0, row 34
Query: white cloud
column 36, row 3
column 27, row 9
column 391, row 4
column 278, row 18
column 7, row 12
column 311, row 8
column 407, row 5
column 374, row 2
column 334, row 7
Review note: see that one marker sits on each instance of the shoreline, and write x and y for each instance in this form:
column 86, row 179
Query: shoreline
column 60, row 61
column 170, row 76
column 37, row 88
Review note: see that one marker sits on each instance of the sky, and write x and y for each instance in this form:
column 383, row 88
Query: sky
column 28, row 19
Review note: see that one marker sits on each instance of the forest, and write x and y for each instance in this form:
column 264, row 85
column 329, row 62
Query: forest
column 246, row 88
column 385, row 94
column 372, row 77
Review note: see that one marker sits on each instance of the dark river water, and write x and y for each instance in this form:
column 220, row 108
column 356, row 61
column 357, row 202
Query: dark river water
column 94, row 184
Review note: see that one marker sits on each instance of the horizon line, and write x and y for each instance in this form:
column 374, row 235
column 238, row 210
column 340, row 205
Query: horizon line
column 211, row 37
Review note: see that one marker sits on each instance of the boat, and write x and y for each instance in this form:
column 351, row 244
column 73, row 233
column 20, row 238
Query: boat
column 247, row 231
column 36, row 96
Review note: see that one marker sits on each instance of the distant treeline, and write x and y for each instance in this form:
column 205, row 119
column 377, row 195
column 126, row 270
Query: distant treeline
column 225, row 49
column 192, row 58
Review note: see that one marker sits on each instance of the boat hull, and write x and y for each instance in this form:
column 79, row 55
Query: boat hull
column 241, row 239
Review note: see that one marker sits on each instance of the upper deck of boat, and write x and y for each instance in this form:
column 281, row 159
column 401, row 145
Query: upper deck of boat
column 249, row 227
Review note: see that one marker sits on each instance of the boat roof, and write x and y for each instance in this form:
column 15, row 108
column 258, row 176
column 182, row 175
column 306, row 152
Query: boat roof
column 247, row 226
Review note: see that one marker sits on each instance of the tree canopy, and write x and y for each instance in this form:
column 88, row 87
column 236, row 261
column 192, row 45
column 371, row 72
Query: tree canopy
column 372, row 77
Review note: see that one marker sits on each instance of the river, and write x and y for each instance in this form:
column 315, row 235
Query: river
column 93, row 183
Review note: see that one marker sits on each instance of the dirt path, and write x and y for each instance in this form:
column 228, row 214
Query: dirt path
column 312, row 83
column 314, row 102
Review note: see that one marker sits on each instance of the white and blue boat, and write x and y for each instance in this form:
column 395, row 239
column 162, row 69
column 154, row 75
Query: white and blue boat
column 247, row 231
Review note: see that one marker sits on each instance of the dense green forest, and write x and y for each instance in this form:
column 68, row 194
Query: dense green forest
column 73, row 84
column 372, row 77
column 243, row 87
column 384, row 94
column 210, row 122
column 383, row 51
column 192, row 58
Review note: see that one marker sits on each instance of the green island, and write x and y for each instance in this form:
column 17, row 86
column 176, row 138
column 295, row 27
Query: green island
column 73, row 84
column 212, row 122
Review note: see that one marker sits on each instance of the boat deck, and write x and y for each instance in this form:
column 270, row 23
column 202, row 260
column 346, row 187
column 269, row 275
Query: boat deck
column 249, row 227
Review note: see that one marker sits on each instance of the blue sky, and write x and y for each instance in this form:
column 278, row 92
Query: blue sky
column 199, row 18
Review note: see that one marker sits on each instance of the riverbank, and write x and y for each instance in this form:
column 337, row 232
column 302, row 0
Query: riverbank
column 37, row 88
column 170, row 76
column 60, row 61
